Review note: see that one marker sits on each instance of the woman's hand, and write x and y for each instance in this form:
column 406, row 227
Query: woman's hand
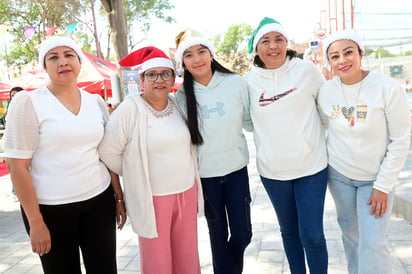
column 378, row 202
column 121, row 215
column 40, row 237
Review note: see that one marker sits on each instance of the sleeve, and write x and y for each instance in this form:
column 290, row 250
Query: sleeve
column 324, row 118
column 318, row 80
column 22, row 131
column 398, row 119
column 117, row 135
column 247, row 120
column 103, row 107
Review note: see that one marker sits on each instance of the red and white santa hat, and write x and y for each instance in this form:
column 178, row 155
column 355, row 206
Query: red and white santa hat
column 147, row 58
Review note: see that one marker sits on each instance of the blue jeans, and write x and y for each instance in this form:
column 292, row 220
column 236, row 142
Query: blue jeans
column 299, row 205
column 227, row 209
column 365, row 238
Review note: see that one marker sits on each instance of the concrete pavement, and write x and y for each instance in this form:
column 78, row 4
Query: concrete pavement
column 264, row 255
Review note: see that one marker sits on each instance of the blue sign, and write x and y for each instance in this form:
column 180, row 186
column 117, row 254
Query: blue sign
column 314, row 44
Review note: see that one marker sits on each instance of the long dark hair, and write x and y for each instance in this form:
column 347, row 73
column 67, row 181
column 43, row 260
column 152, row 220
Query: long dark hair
column 191, row 102
column 259, row 63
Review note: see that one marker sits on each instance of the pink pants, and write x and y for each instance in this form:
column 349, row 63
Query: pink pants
column 175, row 251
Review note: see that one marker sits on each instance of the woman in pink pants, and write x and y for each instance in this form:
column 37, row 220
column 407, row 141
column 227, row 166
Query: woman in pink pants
column 148, row 143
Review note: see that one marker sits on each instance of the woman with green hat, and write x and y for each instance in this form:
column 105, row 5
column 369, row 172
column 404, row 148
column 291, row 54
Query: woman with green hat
column 290, row 144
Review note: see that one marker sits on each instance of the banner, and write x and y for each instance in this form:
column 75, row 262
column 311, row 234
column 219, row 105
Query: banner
column 50, row 30
column 29, row 31
column 70, row 28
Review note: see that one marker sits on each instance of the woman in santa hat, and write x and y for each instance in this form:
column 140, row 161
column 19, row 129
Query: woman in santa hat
column 148, row 143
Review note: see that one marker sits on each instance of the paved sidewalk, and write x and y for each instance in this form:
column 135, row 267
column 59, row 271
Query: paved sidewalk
column 264, row 255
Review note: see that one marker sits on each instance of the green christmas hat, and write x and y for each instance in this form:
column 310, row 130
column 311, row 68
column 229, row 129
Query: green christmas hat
column 266, row 25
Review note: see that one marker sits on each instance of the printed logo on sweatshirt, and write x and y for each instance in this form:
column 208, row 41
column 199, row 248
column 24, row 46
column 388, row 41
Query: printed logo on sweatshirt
column 206, row 111
column 361, row 112
column 263, row 102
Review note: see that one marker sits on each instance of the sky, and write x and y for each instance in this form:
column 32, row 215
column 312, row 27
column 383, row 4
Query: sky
column 301, row 19
column 213, row 17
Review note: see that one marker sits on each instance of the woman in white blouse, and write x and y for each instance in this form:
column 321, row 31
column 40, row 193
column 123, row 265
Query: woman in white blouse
column 65, row 191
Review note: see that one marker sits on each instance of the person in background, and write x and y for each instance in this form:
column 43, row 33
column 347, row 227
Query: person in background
column 148, row 143
column 368, row 133
column 67, row 201
column 290, row 143
column 13, row 92
column 216, row 106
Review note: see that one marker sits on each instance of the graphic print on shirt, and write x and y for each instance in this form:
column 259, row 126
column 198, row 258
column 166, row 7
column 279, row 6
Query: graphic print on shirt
column 335, row 112
column 206, row 111
column 361, row 112
column 263, row 102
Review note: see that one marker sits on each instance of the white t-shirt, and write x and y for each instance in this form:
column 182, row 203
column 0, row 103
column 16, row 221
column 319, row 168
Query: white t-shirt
column 168, row 146
column 65, row 165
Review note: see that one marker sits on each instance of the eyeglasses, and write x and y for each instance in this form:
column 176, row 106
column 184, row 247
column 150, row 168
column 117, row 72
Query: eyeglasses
column 152, row 76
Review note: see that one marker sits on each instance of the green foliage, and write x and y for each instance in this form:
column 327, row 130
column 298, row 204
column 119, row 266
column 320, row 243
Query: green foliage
column 35, row 13
column 382, row 53
column 140, row 13
column 408, row 53
column 233, row 48
column 368, row 51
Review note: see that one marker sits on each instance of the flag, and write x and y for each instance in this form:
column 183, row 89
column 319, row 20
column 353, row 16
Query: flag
column 29, row 31
column 70, row 28
column 50, row 30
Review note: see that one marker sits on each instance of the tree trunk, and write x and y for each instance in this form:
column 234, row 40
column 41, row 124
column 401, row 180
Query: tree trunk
column 117, row 23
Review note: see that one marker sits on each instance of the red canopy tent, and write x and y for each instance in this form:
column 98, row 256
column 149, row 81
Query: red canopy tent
column 5, row 91
column 94, row 77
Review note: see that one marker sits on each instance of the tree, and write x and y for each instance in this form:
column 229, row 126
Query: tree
column 140, row 13
column 117, row 23
column 123, row 14
column 38, row 14
column 381, row 53
column 233, row 48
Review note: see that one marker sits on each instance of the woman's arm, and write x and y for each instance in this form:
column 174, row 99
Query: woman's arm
column 118, row 195
column 23, row 185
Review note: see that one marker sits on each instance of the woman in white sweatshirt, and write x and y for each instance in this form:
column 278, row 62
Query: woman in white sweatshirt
column 368, row 127
column 290, row 143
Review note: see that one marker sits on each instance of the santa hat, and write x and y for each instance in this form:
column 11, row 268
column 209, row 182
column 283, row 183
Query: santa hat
column 189, row 38
column 346, row 34
column 54, row 42
column 265, row 26
column 147, row 57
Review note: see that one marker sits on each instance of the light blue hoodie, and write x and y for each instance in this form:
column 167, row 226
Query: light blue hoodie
column 224, row 112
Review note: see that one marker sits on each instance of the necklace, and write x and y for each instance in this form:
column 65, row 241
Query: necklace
column 167, row 111
column 348, row 111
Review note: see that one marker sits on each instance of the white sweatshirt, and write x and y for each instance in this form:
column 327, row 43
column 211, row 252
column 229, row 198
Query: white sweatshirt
column 290, row 142
column 376, row 146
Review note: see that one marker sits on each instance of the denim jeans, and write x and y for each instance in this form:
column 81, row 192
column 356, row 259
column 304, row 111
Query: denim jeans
column 227, row 210
column 299, row 205
column 364, row 236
